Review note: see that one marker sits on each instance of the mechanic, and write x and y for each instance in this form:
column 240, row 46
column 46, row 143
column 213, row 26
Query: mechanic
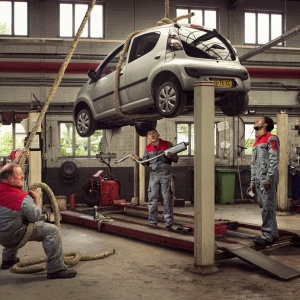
column 159, row 177
column 264, row 178
column 17, row 209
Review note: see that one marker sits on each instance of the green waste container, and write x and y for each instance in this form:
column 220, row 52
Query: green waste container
column 225, row 185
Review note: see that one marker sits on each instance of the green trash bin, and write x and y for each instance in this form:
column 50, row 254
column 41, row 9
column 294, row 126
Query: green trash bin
column 225, row 185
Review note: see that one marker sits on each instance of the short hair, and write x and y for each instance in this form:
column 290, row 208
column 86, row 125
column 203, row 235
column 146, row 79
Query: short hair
column 8, row 171
column 270, row 123
column 152, row 129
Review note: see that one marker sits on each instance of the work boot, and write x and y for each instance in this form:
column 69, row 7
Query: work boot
column 169, row 227
column 296, row 241
column 64, row 273
column 6, row 264
column 153, row 225
column 261, row 242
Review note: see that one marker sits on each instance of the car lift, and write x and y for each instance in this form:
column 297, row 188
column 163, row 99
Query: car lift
column 233, row 239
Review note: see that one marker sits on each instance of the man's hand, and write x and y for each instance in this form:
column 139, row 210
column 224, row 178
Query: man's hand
column 169, row 154
column 134, row 157
column 250, row 189
column 35, row 195
column 267, row 184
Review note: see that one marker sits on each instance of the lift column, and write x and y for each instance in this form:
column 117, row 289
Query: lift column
column 282, row 193
column 142, row 172
column 204, row 177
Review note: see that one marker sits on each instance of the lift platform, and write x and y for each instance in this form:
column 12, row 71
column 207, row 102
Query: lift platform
column 233, row 239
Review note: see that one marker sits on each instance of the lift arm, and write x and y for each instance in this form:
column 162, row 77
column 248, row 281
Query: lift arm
column 287, row 35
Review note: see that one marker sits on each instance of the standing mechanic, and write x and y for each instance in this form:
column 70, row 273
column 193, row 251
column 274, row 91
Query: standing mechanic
column 159, row 177
column 17, row 209
column 264, row 178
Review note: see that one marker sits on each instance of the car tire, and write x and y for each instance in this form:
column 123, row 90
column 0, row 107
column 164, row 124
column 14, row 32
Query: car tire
column 85, row 123
column 143, row 127
column 170, row 99
column 234, row 104
column 90, row 197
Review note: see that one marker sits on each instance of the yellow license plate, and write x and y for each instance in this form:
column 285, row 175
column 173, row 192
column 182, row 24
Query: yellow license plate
column 223, row 83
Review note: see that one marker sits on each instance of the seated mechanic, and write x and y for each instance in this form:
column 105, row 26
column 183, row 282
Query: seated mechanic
column 17, row 209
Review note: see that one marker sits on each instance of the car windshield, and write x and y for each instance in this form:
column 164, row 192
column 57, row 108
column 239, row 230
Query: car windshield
column 203, row 43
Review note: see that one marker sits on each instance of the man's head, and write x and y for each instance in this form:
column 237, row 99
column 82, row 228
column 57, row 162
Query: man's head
column 153, row 136
column 264, row 123
column 13, row 175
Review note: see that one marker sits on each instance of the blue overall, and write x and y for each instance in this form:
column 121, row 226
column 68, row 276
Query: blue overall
column 264, row 165
column 160, row 181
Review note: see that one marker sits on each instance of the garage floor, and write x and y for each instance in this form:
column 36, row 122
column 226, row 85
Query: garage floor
column 143, row 271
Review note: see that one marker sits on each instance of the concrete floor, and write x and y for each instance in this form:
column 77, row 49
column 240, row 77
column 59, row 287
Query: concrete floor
column 143, row 271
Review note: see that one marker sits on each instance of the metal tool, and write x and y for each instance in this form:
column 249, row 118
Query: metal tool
column 175, row 149
column 122, row 159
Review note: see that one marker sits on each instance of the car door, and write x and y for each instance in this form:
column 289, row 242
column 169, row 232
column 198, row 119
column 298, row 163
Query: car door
column 103, row 89
column 144, row 56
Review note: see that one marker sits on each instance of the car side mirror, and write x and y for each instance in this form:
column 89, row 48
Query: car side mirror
column 92, row 74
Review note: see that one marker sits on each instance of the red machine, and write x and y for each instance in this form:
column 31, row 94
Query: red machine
column 103, row 190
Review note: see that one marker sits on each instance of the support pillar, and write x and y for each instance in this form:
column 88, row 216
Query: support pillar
column 135, row 199
column 142, row 172
column 282, row 192
column 35, row 154
column 204, row 177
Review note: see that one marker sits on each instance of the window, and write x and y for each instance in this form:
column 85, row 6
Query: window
column 12, row 137
column 71, row 16
column 205, row 17
column 142, row 45
column 111, row 64
column 249, row 138
column 261, row 28
column 202, row 43
column 14, row 18
column 72, row 144
column 185, row 133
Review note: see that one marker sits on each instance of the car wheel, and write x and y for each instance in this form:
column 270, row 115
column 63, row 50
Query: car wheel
column 143, row 127
column 170, row 99
column 234, row 104
column 85, row 123
column 91, row 198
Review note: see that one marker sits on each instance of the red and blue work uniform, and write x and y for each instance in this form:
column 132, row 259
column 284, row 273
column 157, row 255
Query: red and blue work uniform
column 160, row 181
column 264, row 166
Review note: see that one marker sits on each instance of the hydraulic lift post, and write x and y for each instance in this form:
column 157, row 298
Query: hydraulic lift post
column 204, row 178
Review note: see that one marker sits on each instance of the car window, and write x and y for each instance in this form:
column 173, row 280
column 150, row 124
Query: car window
column 202, row 43
column 142, row 45
column 111, row 64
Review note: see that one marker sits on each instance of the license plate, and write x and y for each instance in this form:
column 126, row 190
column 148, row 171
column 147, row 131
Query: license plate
column 223, row 83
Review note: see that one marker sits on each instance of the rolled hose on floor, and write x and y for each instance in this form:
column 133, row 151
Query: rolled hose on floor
column 71, row 258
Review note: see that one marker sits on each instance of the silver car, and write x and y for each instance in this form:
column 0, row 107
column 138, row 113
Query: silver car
column 157, row 79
